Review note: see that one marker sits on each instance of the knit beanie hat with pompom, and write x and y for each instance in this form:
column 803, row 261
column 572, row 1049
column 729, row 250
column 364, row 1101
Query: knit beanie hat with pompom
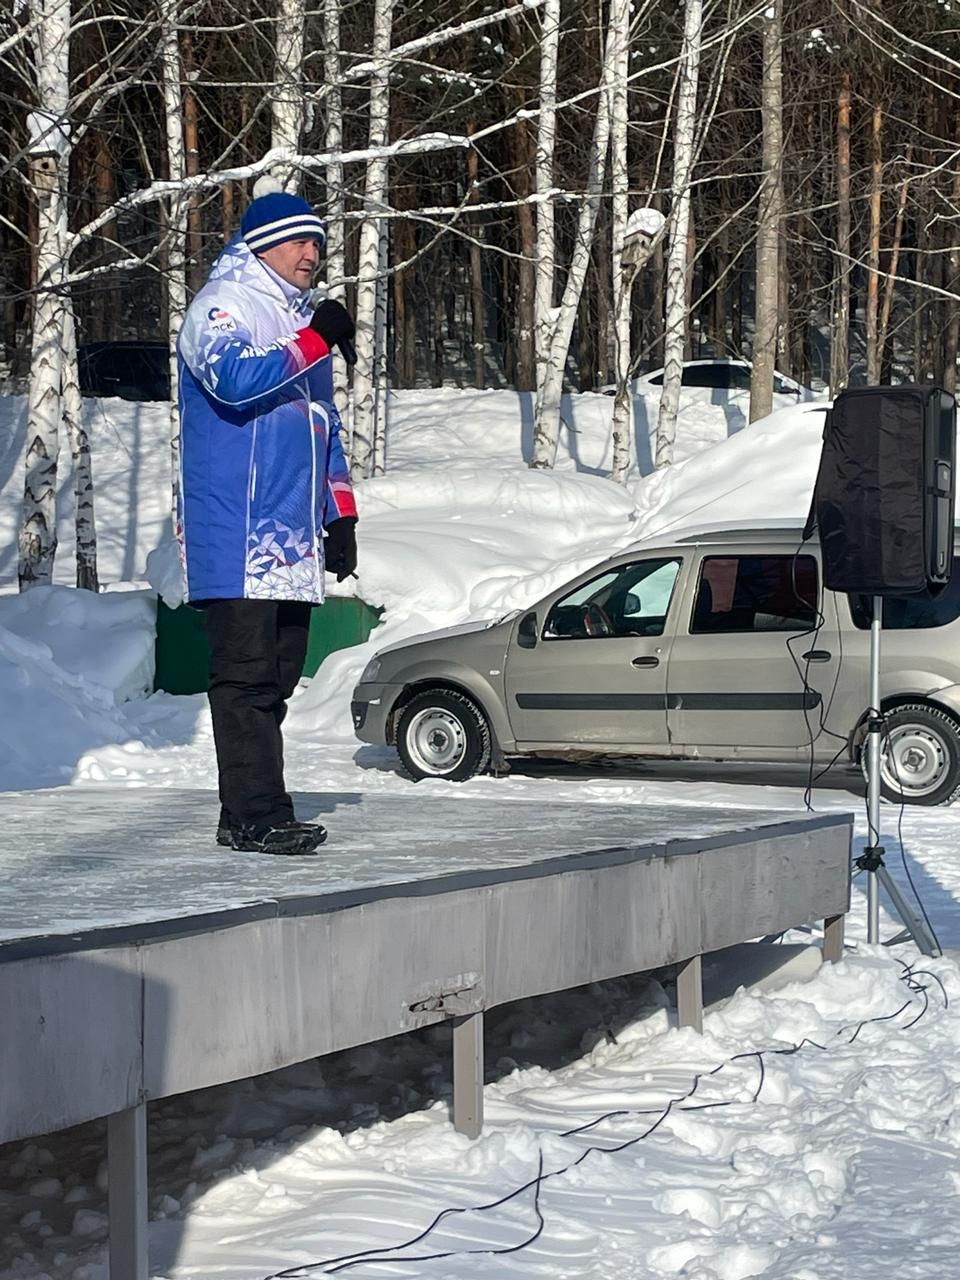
column 275, row 216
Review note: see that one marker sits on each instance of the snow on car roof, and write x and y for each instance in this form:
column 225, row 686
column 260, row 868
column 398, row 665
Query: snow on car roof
column 786, row 530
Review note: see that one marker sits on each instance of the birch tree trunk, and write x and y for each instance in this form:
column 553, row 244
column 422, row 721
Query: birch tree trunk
column 623, row 275
column 191, row 152
column 771, row 216
column 546, row 426
column 522, row 153
column 371, row 232
column 176, row 291
column 287, row 118
column 404, row 240
column 336, row 241
column 839, row 347
column 683, row 149
column 49, row 150
column 86, row 529
column 951, row 337
column 873, row 250
column 381, row 382
column 478, row 328
column 546, row 432
column 893, row 264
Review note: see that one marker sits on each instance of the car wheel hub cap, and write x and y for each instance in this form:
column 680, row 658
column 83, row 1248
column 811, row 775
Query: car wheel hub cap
column 436, row 741
column 914, row 760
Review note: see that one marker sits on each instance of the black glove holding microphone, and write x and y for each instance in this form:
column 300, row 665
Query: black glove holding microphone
column 335, row 326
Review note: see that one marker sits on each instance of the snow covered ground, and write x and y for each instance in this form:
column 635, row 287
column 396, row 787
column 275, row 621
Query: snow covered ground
column 839, row 1159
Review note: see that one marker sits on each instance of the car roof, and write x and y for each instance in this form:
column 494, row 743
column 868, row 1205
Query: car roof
column 720, row 532
column 786, row 532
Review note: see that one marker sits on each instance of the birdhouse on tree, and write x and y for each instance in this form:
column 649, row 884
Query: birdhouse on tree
column 48, row 144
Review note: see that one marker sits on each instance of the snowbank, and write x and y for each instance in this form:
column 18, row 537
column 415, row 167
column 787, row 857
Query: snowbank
column 67, row 658
column 105, row 641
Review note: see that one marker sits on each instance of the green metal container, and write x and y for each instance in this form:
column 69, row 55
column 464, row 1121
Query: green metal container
column 183, row 654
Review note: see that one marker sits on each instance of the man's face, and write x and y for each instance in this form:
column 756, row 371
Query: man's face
column 294, row 261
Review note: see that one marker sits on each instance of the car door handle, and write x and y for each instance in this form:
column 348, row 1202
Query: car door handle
column 817, row 655
column 646, row 662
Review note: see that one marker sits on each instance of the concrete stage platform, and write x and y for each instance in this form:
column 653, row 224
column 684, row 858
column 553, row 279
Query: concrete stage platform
column 139, row 960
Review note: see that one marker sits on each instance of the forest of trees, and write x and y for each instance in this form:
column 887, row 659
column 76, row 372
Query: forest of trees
column 478, row 164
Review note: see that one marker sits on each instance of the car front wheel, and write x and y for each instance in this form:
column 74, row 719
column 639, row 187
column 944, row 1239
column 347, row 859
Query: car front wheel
column 443, row 734
column 920, row 756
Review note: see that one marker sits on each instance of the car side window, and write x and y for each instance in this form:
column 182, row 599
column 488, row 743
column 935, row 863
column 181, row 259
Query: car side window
column 632, row 600
column 912, row 613
column 756, row 593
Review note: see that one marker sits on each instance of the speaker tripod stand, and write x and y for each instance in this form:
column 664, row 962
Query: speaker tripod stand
column 871, row 860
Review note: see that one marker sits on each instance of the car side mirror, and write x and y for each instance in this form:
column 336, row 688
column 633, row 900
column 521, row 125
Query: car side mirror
column 631, row 604
column 527, row 632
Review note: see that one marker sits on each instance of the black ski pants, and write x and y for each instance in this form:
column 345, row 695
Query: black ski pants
column 257, row 650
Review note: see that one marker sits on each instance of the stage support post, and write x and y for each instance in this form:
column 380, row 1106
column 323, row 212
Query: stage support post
column 833, row 939
column 127, row 1193
column 468, row 1074
column 690, row 993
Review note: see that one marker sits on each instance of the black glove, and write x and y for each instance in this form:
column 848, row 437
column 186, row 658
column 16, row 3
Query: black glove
column 334, row 324
column 340, row 546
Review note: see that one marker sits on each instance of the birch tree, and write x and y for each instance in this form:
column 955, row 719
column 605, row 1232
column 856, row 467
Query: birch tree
column 86, row 529
column 176, row 257
column 872, row 307
column 840, row 339
column 380, row 379
column 372, row 230
column 770, row 218
column 545, row 432
column 555, row 328
column 49, row 151
column 336, row 239
column 893, row 265
column 287, row 116
column 623, row 276
column 679, row 221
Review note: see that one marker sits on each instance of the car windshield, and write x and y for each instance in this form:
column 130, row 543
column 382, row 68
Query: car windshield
column 631, row 600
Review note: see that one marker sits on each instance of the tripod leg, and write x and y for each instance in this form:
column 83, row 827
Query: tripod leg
column 912, row 923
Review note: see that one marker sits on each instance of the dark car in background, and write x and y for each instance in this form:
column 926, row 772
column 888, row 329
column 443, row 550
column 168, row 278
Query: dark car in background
column 132, row 370
column 724, row 373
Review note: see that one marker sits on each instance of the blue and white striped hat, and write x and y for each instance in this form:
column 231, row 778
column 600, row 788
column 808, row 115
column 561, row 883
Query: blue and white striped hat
column 277, row 216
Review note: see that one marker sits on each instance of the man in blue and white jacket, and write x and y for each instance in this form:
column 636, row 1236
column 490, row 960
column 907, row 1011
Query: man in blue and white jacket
column 266, row 503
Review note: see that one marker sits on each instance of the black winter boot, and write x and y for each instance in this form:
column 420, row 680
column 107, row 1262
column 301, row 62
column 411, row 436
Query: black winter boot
column 290, row 838
column 224, row 829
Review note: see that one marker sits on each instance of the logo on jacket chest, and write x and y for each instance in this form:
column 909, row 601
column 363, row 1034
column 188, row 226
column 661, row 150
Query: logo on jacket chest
column 221, row 321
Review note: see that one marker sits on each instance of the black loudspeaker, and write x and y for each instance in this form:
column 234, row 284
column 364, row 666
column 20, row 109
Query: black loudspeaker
column 884, row 496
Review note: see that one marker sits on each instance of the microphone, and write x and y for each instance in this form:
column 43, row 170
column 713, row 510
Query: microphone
column 348, row 351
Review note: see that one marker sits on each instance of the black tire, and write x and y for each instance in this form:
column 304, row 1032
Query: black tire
column 920, row 760
column 443, row 734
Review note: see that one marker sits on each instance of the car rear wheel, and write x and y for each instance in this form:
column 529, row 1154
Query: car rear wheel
column 443, row 734
column 920, row 756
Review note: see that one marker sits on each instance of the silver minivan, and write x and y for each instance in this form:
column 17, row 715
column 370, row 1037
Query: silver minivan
column 720, row 645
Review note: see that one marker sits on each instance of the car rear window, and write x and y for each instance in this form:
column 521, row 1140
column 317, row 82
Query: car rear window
column 756, row 593
column 912, row 613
